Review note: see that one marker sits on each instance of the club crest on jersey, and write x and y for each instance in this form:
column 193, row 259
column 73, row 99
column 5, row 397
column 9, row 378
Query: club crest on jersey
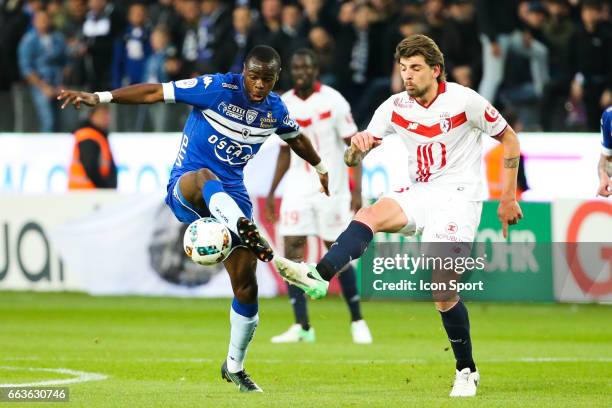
column 445, row 123
column 491, row 114
column 250, row 116
column 246, row 133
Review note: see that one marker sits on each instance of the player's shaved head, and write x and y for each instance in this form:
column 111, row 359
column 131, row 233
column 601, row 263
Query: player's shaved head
column 261, row 68
column 263, row 56
column 308, row 54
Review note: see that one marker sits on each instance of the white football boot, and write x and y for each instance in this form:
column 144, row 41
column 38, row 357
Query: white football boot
column 295, row 334
column 361, row 332
column 465, row 384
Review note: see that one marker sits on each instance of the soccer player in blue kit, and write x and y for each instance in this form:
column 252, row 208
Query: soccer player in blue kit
column 605, row 161
column 233, row 114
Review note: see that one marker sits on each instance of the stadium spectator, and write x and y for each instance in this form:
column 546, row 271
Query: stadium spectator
column 288, row 39
column 188, row 42
column 158, row 70
column 132, row 49
column 102, row 23
column 232, row 55
column 461, row 45
column 357, row 57
column 323, row 45
column 164, row 13
column 92, row 163
column 13, row 24
column 590, row 63
column 435, row 19
column 526, row 70
column 497, row 21
column 558, row 31
column 42, row 57
column 214, row 29
column 270, row 21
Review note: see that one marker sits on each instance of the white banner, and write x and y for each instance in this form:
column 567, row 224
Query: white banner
column 136, row 247
column 28, row 260
column 583, row 255
column 558, row 165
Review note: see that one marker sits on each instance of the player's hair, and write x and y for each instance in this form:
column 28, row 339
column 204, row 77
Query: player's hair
column 307, row 52
column 419, row 44
column 265, row 54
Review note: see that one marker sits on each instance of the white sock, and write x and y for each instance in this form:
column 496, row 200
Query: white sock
column 225, row 210
column 241, row 334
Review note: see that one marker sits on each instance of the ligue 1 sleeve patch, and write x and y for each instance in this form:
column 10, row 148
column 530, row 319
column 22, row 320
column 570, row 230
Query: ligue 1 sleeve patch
column 491, row 114
column 186, row 83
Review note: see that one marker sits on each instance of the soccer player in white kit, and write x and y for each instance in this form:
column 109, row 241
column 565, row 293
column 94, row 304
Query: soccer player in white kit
column 442, row 125
column 325, row 118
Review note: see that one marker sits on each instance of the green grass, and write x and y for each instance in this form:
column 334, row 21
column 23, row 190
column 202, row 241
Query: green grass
column 160, row 352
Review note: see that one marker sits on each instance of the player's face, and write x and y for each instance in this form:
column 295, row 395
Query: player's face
column 259, row 79
column 303, row 72
column 418, row 77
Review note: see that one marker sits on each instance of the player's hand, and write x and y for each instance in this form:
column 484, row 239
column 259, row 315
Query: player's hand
column 270, row 209
column 605, row 186
column 364, row 141
column 356, row 200
column 76, row 98
column 324, row 179
column 509, row 213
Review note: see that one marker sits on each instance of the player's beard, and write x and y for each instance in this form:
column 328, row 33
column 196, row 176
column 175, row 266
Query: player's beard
column 416, row 92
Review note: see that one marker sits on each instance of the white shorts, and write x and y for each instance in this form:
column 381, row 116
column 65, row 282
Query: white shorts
column 439, row 213
column 318, row 214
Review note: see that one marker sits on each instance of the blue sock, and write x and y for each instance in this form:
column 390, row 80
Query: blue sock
column 348, row 283
column 300, row 310
column 221, row 205
column 244, row 309
column 457, row 324
column 350, row 245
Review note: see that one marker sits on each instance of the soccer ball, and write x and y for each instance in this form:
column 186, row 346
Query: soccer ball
column 207, row 241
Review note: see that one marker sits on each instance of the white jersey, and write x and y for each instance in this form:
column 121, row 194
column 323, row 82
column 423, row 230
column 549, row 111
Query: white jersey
column 325, row 118
column 444, row 139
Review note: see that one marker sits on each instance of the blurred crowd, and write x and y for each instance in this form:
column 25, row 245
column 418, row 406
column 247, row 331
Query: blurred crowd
column 549, row 61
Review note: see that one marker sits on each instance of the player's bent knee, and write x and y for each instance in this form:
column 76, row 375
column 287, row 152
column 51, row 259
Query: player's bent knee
column 367, row 216
column 203, row 175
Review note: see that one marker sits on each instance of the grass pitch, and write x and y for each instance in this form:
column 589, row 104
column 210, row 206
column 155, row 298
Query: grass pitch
column 162, row 352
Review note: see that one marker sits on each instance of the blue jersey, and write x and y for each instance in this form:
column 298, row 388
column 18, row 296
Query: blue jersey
column 224, row 130
column 606, row 131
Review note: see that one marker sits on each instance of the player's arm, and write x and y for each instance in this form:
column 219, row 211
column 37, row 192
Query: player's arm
column 605, row 175
column 133, row 94
column 356, row 198
column 361, row 144
column 509, row 212
column 282, row 165
column 302, row 147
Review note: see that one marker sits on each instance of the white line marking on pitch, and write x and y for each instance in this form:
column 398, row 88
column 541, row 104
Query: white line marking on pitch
column 80, row 376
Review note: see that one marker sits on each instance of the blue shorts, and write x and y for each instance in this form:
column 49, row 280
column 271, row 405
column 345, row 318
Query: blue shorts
column 186, row 213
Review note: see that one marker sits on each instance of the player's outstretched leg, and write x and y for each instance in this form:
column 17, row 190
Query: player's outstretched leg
column 244, row 318
column 384, row 215
column 457, row 325
column 359, row 328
